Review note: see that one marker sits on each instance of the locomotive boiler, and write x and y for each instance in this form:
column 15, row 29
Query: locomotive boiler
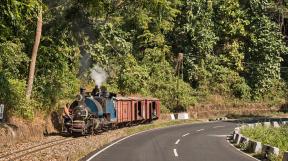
column 92, row 112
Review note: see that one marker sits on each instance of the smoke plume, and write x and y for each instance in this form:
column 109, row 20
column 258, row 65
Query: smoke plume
column 98, row 75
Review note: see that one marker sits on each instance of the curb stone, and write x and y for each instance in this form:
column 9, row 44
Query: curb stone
column 268, row 149
column 238, row 139
column 266, row 124
column 275, row 124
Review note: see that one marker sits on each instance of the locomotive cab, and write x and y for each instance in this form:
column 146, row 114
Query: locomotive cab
column 107, row 102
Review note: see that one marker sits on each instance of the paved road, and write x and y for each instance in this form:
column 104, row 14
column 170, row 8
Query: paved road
column 194, row 142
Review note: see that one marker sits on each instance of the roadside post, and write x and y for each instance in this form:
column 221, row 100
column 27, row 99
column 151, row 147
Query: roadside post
column 1, row 112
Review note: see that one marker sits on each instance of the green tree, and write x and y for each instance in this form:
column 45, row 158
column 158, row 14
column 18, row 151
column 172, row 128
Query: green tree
column 195, row 37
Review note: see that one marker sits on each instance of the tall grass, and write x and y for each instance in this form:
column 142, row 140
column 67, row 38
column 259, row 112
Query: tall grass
column 277, row 137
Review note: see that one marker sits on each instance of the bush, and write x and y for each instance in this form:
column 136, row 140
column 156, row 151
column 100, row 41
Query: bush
column 241, row 90
column 133, row 77
column 12, row 94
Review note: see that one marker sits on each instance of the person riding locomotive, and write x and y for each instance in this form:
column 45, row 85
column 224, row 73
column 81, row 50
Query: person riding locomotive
column 66, row 117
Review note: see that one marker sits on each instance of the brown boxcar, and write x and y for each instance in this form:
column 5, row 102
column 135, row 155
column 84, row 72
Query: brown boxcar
column 138, row 108
column 153, row 108
column 123, row 107
column 135, row 109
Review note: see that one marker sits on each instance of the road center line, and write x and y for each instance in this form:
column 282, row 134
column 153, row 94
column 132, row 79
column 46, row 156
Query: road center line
column 200, row 130
column 175, row 152
column 177, row 141
column 185, row 134
column 217, row 127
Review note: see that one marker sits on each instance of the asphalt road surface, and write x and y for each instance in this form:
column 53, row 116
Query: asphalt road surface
column 194, row 142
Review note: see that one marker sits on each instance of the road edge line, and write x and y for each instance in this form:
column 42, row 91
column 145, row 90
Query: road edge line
column 241, row 151
column 94, row 155
column 110, row 145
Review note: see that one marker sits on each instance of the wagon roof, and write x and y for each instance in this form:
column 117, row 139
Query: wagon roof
column 152, row 99
column 137, row 98
column 123, row 98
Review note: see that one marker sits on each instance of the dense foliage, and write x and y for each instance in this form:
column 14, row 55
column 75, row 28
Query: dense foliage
column 231, row 48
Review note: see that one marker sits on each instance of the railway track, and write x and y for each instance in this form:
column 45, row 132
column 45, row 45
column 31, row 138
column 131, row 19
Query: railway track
column 33, row 149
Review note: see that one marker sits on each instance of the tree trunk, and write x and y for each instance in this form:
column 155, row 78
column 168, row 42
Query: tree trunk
column 34, row 55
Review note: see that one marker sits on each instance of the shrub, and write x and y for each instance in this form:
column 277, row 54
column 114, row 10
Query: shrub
column 12, row 94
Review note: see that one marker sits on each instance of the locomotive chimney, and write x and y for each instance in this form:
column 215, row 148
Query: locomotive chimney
column 103, row 91
column 96, row 91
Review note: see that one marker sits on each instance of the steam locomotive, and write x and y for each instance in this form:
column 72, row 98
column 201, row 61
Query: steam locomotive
column 98, row 111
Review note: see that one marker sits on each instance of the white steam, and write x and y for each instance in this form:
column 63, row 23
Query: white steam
column 98, row 75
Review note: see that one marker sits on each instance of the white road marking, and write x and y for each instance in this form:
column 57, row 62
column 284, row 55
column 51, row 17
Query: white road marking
column 177, row 141
column 185, row 134
column 175, row 152
column 219, row 136
column 217, row 127
column 200, row 130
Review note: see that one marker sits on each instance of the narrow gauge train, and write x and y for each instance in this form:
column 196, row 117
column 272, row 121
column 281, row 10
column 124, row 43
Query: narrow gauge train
column 94, row 112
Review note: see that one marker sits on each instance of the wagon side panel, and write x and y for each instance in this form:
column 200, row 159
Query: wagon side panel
column 158, row 108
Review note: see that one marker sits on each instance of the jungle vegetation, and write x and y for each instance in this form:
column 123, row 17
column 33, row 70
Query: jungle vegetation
column 236, row 49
